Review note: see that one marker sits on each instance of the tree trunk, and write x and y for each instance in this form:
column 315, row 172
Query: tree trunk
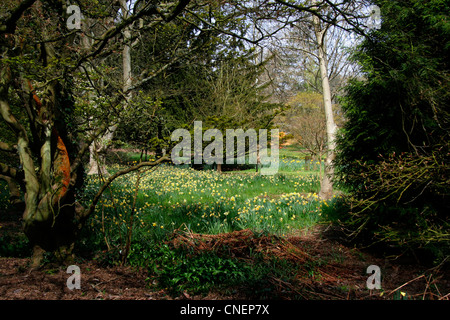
column 308, row 162
column 49, row 217
column 97, row 153
column 326, row 189
column 97, row 160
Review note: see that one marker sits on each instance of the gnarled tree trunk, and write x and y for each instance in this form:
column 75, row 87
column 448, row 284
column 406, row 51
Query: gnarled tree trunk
column 50, row 210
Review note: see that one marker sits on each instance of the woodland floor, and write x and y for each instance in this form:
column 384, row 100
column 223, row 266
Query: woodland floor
column 341, row 276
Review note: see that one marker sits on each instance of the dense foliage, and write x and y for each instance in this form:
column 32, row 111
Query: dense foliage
column 394, row 148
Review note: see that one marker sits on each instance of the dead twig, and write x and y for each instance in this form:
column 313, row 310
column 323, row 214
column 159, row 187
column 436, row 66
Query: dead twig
column 446, row 297
column 405, row 284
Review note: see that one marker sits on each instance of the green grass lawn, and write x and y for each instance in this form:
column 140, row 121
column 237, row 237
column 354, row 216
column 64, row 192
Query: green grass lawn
column 172, row 198
column 206, row 201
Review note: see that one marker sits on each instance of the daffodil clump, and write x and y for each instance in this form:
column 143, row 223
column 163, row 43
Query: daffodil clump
column 296, row 165
column 281, row 215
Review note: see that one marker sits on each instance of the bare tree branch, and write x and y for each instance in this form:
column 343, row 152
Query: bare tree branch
column 8, row 171
column 14, row 192
column 231, row 33
column 7, row 147
column 115, row 176
column 8, row 25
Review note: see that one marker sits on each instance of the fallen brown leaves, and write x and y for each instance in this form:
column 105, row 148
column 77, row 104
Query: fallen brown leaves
column 239, row 244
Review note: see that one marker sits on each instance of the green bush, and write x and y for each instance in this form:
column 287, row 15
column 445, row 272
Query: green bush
column 14, row 246
column 393, row 150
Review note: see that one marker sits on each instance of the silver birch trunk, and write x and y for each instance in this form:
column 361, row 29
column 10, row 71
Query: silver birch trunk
column 326, row 189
